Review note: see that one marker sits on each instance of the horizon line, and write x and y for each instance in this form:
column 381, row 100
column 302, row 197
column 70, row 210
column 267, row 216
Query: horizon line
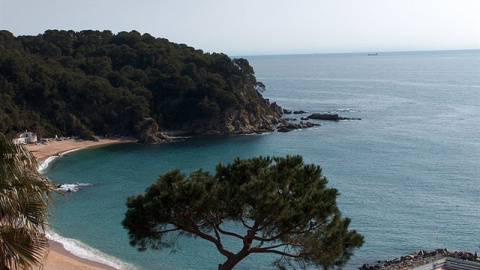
column 354, row 52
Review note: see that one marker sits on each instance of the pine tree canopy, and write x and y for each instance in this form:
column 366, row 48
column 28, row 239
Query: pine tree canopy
column 280, row 205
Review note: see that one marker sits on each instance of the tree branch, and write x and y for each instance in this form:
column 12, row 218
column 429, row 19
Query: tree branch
column 276, row 237
column 217, row 235
column 272, row 249
column 196, row 230
column 245, row 224
column 169, row 230
column 217, row 226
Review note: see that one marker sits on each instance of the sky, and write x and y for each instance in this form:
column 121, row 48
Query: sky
column 263, row 27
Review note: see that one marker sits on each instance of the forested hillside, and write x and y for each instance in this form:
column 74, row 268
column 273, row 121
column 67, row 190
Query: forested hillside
column 96, row 82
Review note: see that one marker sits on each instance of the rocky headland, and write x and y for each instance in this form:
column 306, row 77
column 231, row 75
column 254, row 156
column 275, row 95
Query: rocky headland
column 92, row 87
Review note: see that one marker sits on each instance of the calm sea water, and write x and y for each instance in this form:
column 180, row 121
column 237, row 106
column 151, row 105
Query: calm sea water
column 408, row 172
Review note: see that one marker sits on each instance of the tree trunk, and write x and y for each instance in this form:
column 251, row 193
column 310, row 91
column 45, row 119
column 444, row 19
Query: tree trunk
column 233, row 261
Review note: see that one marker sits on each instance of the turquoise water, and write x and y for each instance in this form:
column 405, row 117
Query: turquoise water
column 408, row 172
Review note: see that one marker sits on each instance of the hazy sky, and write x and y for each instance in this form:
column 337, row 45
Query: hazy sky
column 245, row 27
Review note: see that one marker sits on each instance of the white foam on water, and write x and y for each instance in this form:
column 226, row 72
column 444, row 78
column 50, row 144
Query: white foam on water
column 42, row 168
column 181, row 137
column 84, row 251
column 72, row 187
column 76, row 247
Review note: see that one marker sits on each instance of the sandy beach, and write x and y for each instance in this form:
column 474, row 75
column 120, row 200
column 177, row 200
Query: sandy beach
column 58, row 257
column 61, row 259
column 54, row 147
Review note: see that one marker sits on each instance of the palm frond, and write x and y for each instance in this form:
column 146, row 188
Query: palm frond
column 24, row 199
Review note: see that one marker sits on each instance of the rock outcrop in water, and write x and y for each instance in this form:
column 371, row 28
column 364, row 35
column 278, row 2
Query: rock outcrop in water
column 289, row 126
column 329, row 117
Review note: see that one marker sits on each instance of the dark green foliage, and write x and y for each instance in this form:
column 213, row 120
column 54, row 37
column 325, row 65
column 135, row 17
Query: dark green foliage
column 78, row 83
column 280, row 205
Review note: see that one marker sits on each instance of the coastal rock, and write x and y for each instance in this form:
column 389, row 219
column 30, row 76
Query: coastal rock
column 276, row 108
column 257, row 115
column 330, row 117
column 150, row 132
column 289, row 126
column 420, row 258
column 299, row 112
column 366, row 267
column 285, row 111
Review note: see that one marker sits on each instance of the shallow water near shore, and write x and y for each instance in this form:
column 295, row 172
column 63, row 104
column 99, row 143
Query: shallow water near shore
column 408, row 172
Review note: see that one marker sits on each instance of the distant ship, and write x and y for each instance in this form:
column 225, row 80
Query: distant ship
column 372, row 54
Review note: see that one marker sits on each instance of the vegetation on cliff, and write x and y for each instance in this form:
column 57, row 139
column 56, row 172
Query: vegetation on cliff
column 96, row 82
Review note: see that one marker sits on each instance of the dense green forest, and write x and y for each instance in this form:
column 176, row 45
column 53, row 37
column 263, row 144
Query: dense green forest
column 96, row 82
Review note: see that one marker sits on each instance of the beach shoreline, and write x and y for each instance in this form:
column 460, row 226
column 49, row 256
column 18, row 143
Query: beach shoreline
column 58, row 147
column 58, row 257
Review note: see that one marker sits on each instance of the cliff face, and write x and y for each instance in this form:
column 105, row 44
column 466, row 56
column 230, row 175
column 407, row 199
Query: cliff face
column 255, row 115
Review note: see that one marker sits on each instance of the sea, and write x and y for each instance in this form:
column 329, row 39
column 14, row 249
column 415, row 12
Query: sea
column 408, row 172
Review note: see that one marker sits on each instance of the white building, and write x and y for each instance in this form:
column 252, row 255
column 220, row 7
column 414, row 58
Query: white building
column 26, row 137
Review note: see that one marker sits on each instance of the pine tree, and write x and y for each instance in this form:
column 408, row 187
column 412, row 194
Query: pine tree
column 281, row 206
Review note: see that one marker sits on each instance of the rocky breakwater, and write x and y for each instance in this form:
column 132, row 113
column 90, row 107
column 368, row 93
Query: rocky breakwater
column 420, row 258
